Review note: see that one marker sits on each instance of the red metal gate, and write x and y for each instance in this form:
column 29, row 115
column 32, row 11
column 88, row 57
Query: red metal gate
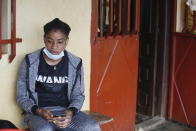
column 114, row 61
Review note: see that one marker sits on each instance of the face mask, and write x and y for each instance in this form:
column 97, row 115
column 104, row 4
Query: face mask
column 51, row 56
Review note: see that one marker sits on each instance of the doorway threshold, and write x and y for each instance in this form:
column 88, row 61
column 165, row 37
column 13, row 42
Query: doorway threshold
column 149, row 124
column 160, row 124
column 141, row 118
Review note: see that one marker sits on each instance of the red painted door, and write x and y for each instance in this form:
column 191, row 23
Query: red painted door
column 182, row 95
column 182, row 107
column 114, row 61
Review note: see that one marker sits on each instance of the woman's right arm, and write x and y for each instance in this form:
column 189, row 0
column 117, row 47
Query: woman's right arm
column 22, row 95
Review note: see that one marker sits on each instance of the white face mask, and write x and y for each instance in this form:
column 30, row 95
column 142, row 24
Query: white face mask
column 51, row 56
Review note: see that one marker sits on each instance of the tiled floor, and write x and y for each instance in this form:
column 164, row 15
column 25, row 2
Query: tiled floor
column 172, row 126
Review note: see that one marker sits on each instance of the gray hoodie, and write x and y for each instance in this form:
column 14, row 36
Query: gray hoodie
column 75, row 94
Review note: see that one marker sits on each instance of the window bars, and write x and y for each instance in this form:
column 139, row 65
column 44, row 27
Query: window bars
column 115, row 17
column 13, row 40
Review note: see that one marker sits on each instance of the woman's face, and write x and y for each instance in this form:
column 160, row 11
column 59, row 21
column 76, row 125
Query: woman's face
column 55, row 41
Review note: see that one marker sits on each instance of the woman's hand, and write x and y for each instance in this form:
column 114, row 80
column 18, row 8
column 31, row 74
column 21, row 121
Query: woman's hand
column 63, row 121
column 46, row 114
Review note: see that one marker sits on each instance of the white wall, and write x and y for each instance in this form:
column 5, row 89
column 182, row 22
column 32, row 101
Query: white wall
column 31, row 16
column 180, row 15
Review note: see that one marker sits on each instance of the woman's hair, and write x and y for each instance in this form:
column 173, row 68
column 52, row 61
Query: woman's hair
column 57, row 24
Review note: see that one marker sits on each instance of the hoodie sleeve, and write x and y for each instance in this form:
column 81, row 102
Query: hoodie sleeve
column 77, row 95
column 22, row 95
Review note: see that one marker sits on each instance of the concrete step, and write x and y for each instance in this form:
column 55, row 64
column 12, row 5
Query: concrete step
column 149, row 124
column 160, row 124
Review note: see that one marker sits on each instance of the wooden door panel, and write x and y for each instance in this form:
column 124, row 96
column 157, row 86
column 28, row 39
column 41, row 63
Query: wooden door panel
column 116, row 95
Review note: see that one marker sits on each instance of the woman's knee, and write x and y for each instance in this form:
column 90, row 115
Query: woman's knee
column 37, row 123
